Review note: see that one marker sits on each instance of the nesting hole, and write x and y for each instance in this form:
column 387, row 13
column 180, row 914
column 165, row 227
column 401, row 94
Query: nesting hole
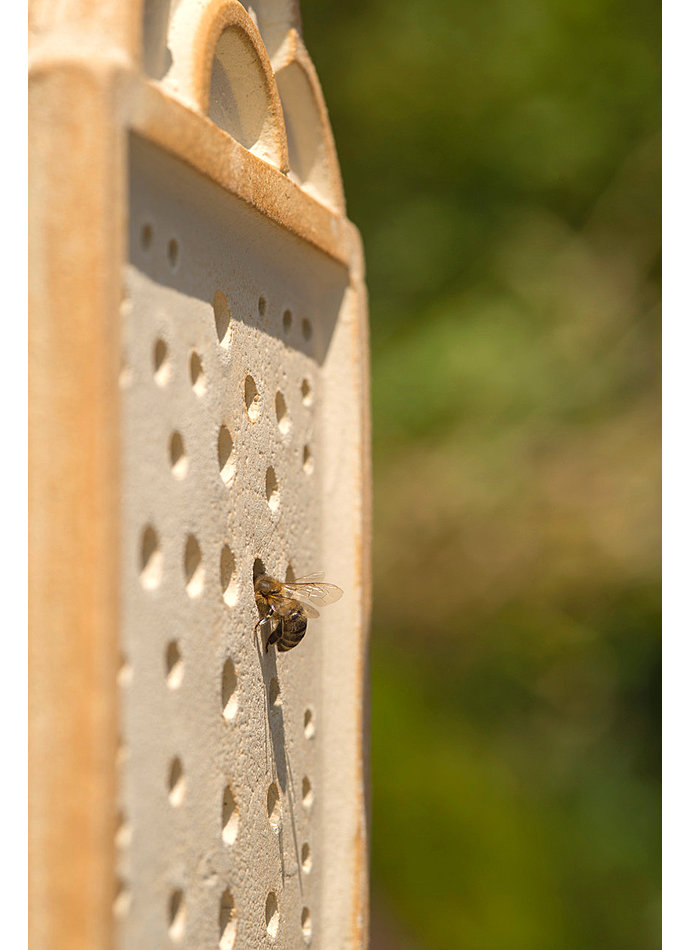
column 230, row 816
column 228, row 576
column 196, row 374
column 173, row 253
column 229, row 690
column 307, row 460
column 258, row 569
column 307, row 793
column 161, row 362
column 273, row 807
column 174, row 666
column 272, row 915
column 123, row 831
column 146, row 236
column 226, row 458
column 193, row 567
column 179, row 463
column 123, row 899
column 306, row 329
column 227, row 921
column 177, row 914
column 274, row 697
column 262, row 306
column 306, row 924
column 282, row 413
column 290, row 576
column 307, row 395
column 151, row 558
column 272, row 491
column 309, row 728
column 124, row 672
column 287, row 321
column 176, row 782
column 221, row 312
column 251, row 398
column 306, row 858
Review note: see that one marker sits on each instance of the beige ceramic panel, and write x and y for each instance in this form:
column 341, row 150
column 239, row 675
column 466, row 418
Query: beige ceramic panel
column 241, row 816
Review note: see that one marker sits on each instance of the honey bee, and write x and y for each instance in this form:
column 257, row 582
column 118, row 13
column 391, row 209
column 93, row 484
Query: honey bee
column 284, row 606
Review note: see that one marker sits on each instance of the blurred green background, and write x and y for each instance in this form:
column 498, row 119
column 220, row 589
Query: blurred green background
column 502, row 162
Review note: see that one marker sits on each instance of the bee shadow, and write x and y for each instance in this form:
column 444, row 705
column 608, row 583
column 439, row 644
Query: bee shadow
column 276, row 731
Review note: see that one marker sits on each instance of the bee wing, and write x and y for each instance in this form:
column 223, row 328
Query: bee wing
column 309, row 610
column 314, row 589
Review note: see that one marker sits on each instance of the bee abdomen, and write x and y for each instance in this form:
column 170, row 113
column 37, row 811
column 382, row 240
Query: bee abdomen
column 293, row 631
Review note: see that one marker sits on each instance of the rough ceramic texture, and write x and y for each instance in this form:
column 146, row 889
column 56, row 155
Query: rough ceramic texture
column 221, row 290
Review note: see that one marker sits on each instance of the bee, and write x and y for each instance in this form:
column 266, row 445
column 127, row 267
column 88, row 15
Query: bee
column 284, row 606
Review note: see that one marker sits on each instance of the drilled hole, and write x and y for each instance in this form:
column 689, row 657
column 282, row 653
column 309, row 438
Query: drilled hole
column 161, row 362
column 123, row 831
column 262, row 306
column 306, row 390
column 173, row 253
column 306, row 329
column 273, row 807
column 287, row 321
column 309, row 728
column 177, row 915
column 124, row 672
column 176, row 782
column 146, row 236
column 151, row 558
column 258, row 569
column 306, row 858
column 307, row 794
column 230, row 817
column 123, row 899
column 179, row 462
column 193, row 567
column 196, row 374
column 227, row 921
column 228, row 580
column 226, row 458
column 282, row 413
column 251, row 398
column 272, row 916
column 307, row 460
column 290, row 576
column 174, row 666
column 221, row 312
column 306, row 925
column 229, row 690
column 272, row 491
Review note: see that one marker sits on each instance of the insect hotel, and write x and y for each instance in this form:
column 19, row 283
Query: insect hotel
column 198, row 421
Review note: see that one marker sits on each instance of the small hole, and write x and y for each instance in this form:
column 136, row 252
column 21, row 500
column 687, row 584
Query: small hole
column 290, row 576
column 307, row 794
column 306, row 329
column 176, row 782
column 272, row 916
column 226, row 459
column 306, row 924
column 282, row 413
column 123, row 899
column 173, row 253
column 262, row 306
column 193, row 567
column 287, row 321
column 123, row 831
column 125, row 672
column 221, row 311
column 231, row 816
column 125, row 377
column 274, row 697
column 272, row 492
column 227, row 576
column 196, row 374
column 251, row 398
column 307, row 460
column 151, row 559
column 227, row 921
column 273, row 806
column 174, row 666
column 307, row 397
column 178, row 460
column 161, row 363
column 306, row 858
column 309, row 728
column 177, row 914
column 258, row 569
column 229, row 690
column 146, row 236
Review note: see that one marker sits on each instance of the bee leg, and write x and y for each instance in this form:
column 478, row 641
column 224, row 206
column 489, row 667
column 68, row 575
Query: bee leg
column 275, row 635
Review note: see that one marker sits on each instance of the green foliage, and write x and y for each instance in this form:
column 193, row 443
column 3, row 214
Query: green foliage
column 502, row 162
